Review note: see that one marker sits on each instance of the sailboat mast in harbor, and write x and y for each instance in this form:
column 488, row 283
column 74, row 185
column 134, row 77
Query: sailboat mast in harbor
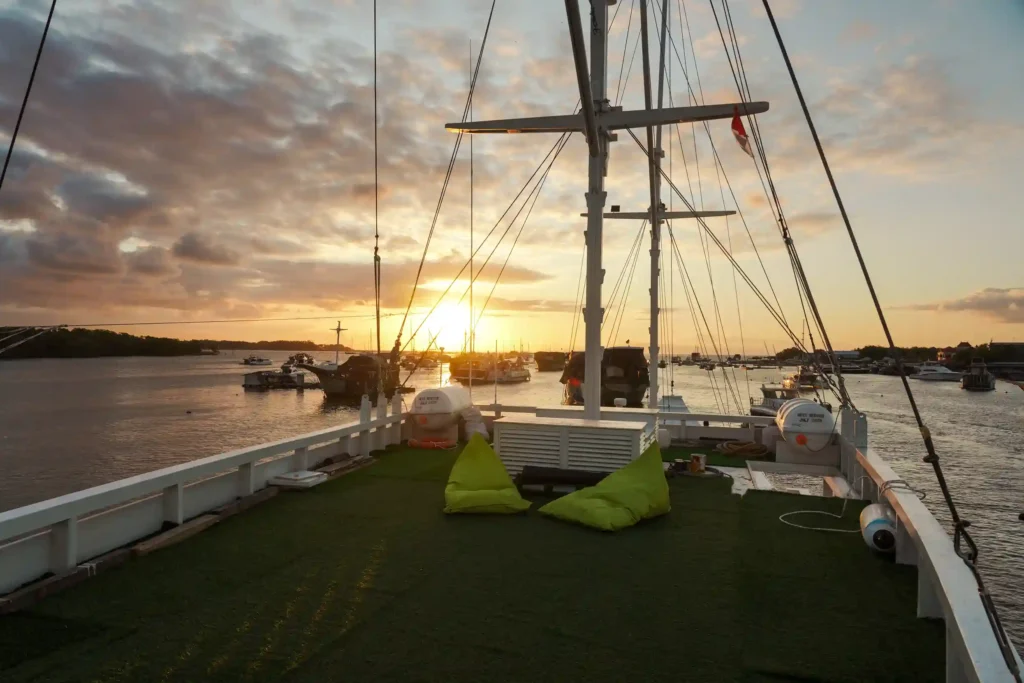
column 597, row 121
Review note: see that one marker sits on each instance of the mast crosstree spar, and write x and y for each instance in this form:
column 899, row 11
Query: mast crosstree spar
column 598, row 120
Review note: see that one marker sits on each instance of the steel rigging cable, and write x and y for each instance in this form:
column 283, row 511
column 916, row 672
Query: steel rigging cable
column 448, row 174
column 28, row 91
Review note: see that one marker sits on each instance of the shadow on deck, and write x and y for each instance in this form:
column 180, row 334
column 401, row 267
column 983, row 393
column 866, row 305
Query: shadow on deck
column 364, row 579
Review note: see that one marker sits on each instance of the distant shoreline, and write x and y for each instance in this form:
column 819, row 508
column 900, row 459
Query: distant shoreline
column 82, row 343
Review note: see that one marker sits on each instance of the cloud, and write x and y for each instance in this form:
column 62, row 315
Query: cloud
column 813, row 223
column 70, row 253
column 151, row 261
column 201, row 249
column 216, row 142
column 909, row 119
column 858, row 32
column 1003, row 305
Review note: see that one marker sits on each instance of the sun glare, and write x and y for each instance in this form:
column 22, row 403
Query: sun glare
column 450, row 322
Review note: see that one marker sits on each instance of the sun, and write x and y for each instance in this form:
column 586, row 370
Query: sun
column 450, row 322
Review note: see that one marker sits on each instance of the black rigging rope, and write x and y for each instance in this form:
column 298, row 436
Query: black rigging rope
column 28, row 91
column 617, row 324
column 376, row 210
column 803, row 286
column 746, row 278
column 612, row 301
column 701, row 344
column 497, row 223
column 680, row 59
column 577, row 304
column 960, row 525
column 533, row 202
column 448, row 173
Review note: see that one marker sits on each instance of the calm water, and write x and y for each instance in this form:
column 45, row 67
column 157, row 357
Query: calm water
column 66, row 425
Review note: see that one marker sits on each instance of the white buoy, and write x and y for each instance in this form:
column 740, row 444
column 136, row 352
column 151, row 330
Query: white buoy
column 878, row 527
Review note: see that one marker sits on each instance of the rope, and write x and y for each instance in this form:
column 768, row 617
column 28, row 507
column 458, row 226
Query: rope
column 16, row 332
column 625, row 47
column 750, row 283
column 700, row 309
column 681, row 60
column 617, row 326
column 744, row 449
column 563, row 139
column 960, row 525
column 448, row 173
column 480, row 246
column 536, row 196
column 232, row 320
column 28, row 91
column 803, row 286
column 577, row 301
column 27, row 339
column 702, row 347
column 622, row 273
column 376, row 208
column 782, row 518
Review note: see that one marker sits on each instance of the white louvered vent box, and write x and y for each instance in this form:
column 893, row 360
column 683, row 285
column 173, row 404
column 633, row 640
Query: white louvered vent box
column 566, row 443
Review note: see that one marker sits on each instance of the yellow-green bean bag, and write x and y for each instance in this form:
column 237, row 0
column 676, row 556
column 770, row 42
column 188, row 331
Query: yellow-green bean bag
column 637, row 491
column 478, row 483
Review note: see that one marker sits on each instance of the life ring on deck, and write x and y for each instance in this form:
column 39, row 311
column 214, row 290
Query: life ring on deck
column 432, row 443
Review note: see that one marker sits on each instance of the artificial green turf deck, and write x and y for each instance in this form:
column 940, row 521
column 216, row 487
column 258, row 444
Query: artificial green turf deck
column 364, row 579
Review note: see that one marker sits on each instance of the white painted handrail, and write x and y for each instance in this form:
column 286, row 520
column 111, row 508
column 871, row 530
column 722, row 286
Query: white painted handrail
column 946, row 586
column 949, row 581
column 38, row 515
column 57, row 534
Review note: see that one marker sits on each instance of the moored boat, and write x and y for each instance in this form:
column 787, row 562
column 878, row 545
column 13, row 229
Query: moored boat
column 359, row 375
column 772, row 398
column 931, row 371
column 977, row 377
column 550, row 361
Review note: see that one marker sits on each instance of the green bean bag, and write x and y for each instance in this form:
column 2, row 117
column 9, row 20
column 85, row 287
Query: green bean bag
column 478, row 483
column 637, row 491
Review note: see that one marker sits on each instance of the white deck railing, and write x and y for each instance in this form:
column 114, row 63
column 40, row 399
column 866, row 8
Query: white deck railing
column 56, row 535
column 946, row 588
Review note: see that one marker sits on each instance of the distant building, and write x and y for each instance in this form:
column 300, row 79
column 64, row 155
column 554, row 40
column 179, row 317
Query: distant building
column 1007, row 350
column 847, row 355
column 946, row 354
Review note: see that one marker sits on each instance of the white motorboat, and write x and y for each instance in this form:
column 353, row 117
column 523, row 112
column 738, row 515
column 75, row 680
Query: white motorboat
column 772, row 398
column 804, row 380
column 256, row 360
column 933, row 372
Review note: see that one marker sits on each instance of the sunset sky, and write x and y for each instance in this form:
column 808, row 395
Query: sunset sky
column 208, row 159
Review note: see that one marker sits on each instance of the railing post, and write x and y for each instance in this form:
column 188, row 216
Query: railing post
column 955, row 671
column 364, row 421
column 174, row 507
column 906, row 550
column 64, row 546
column 928, row 605
column 396, row 411
column 380, row 434
column 300, row 459
column 246, row 480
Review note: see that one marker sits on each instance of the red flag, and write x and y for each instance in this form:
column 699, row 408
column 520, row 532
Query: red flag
column 741, row 133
